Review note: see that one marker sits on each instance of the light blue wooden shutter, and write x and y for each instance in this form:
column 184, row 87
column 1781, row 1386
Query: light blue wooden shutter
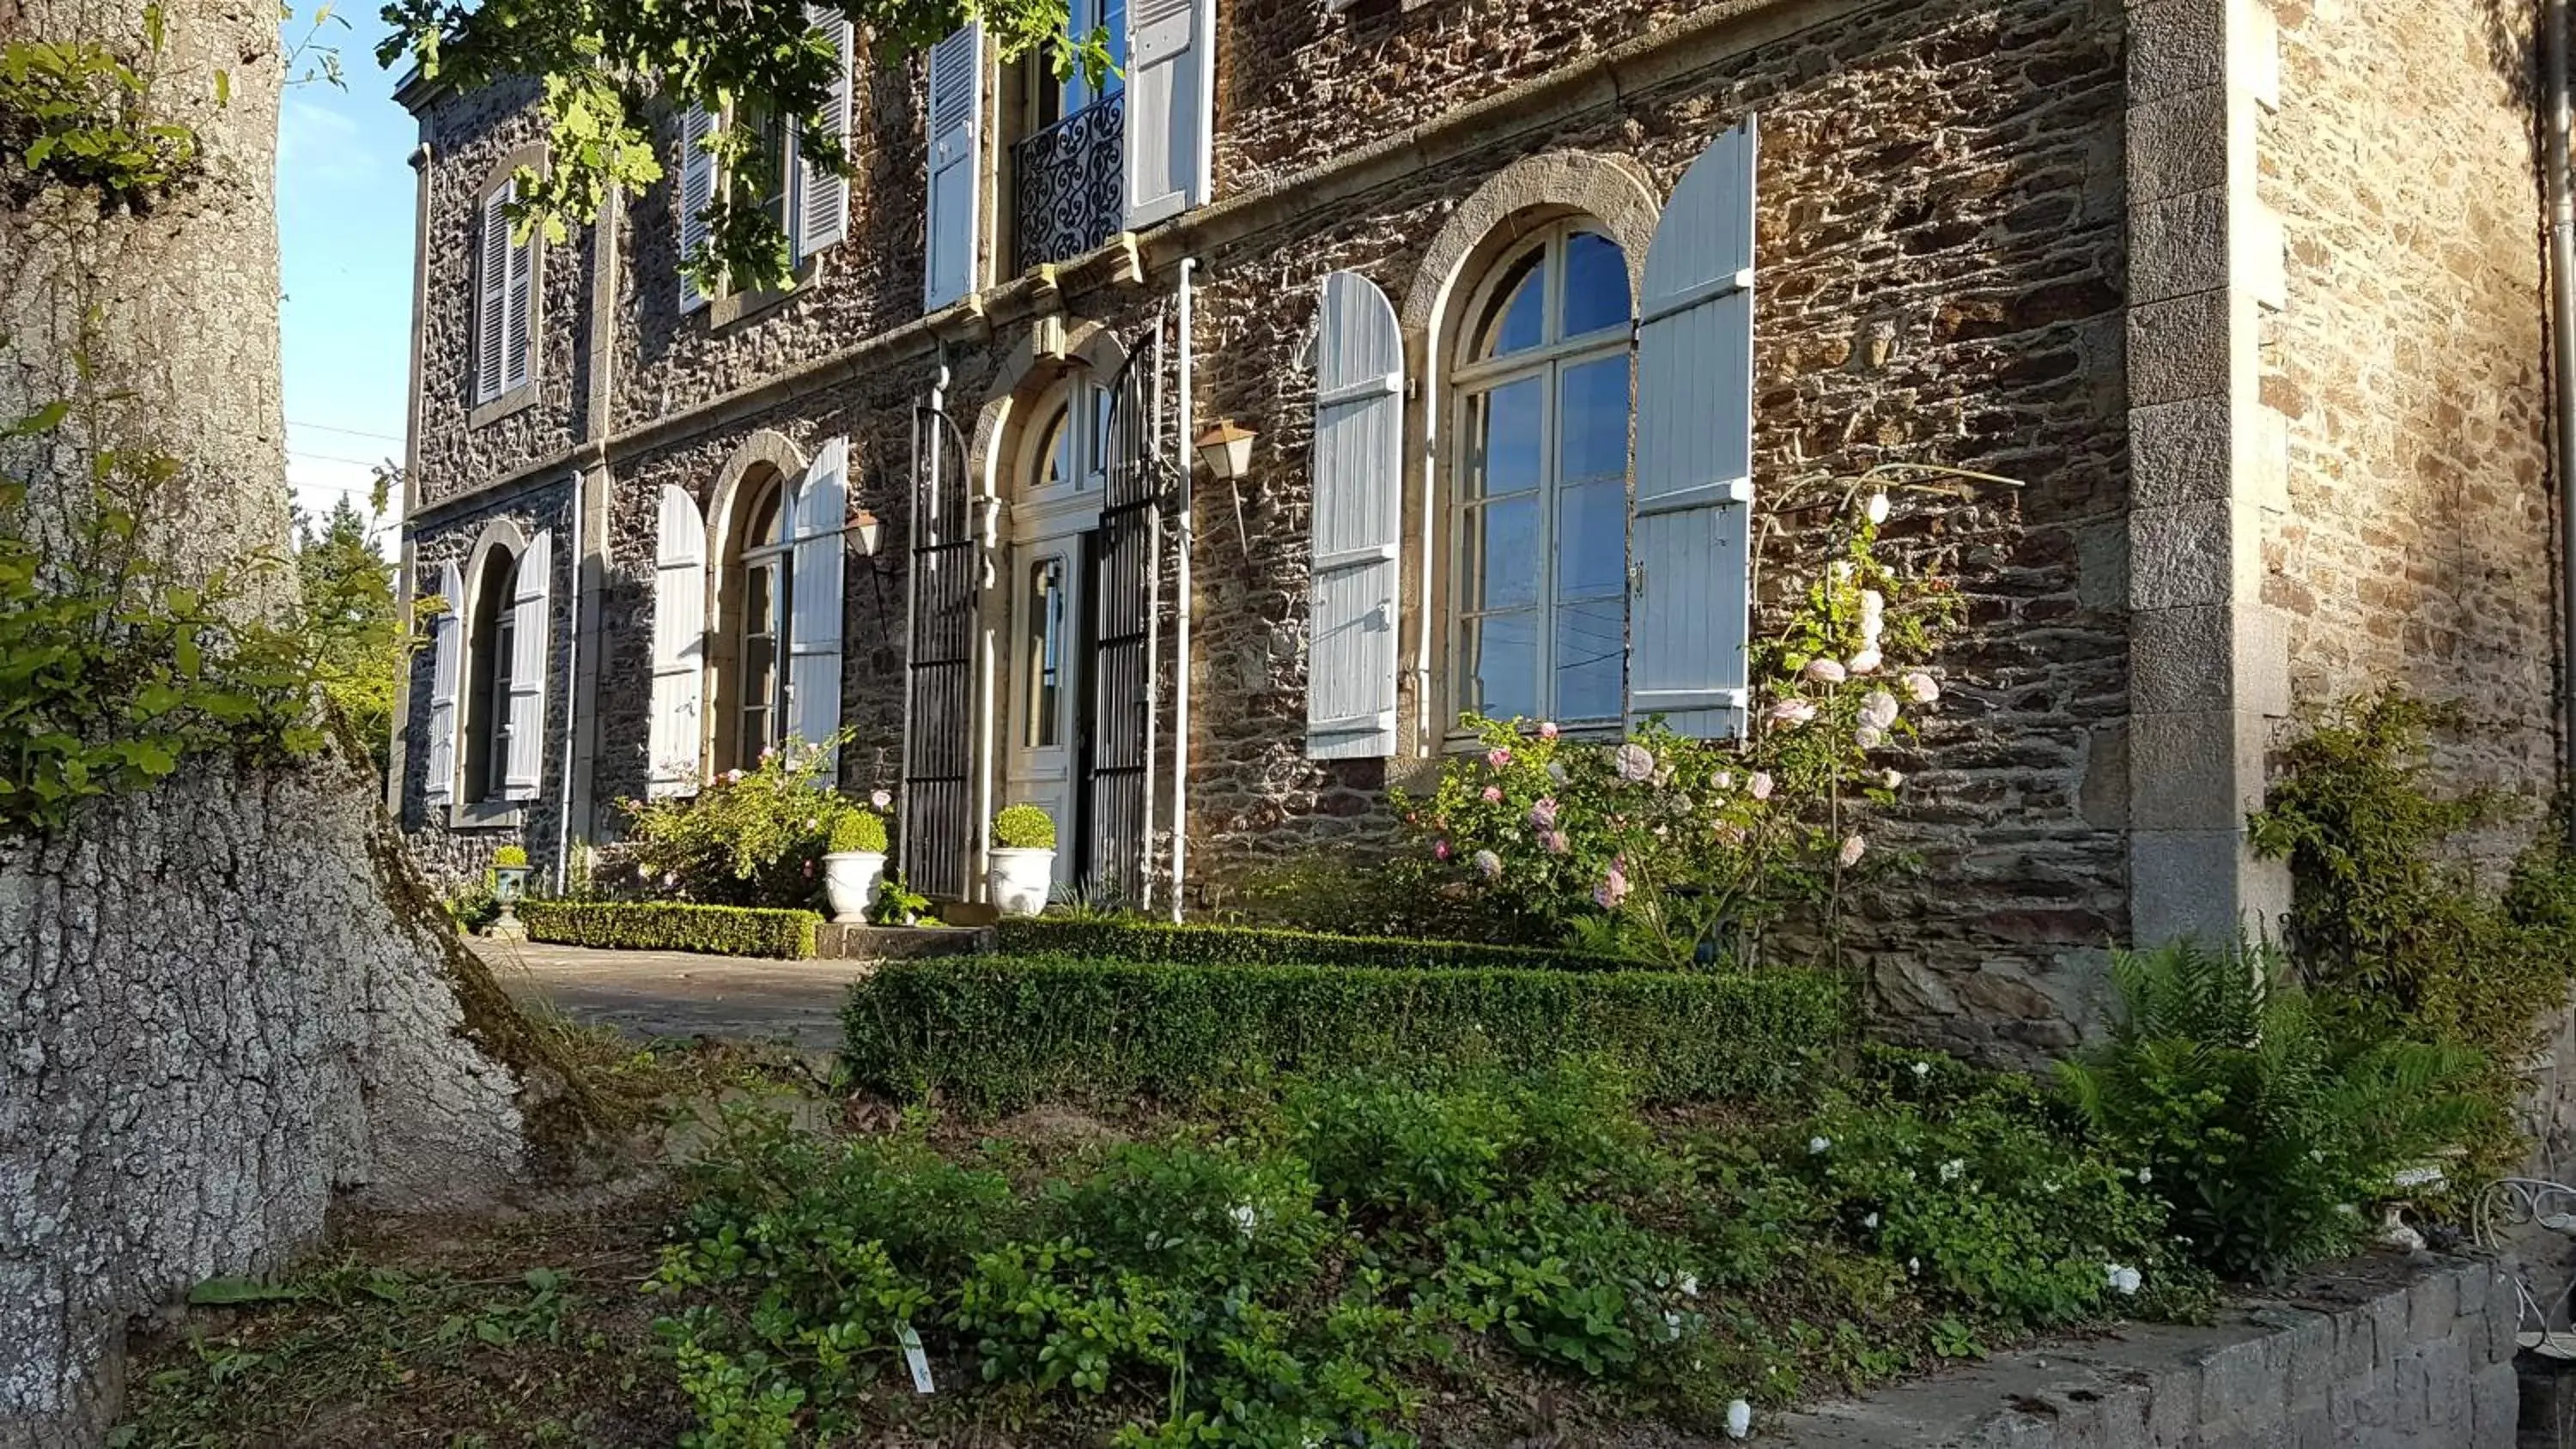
column 1693, row 531
column 523, row 767
column 519, row 344
column 823, row 196
column 673, row 738
column 814, row 612
column 447, row 654
column 1358, row 476
column 1171, row 95
column 697, row 193
column 956, row 123
column 491, row 297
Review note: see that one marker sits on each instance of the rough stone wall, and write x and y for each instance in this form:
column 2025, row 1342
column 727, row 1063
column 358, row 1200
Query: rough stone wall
column 456, row 856
column 1940, row 280
column 2381, row 1353
column 468, row 136
column 2417, row 549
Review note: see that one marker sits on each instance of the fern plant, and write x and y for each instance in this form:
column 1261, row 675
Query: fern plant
column 2268, row 1135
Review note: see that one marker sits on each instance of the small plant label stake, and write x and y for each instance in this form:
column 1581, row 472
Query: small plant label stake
column 913, row 1356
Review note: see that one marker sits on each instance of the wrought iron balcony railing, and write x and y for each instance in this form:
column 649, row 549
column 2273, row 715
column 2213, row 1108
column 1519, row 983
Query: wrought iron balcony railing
column 1067, row 184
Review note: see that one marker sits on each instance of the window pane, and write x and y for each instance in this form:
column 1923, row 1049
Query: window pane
column 1591, row 540
column 1596, row 284
column 1591, row 648
column 759, row 690
column 1498, row 568
column 1517, row 320
column 1592, row 421
column 1046, row 653
column 1097, row 459
column 1505, row 426
column 767, row 517
column 1501, row 658
column 1056, row 459
column 759, row 600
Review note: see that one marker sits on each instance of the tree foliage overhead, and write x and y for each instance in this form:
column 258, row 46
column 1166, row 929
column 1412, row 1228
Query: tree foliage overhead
column 604, row 64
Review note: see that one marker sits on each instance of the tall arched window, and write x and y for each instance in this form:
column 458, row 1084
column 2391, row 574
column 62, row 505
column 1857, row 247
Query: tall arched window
column 763, row 565
column 1539, row 579
column 491, row 650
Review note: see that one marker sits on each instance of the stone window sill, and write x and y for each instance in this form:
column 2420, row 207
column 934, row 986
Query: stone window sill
column 734, row 308
column 515, row 400
column 487, row 815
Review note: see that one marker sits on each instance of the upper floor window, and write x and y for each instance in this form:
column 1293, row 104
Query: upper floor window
column 809, row 203
column 505, row 300
column 1541, row 392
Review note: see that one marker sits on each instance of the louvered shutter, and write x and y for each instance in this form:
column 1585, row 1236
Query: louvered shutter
column 1171, row 92
column 447, row 654
column 1693, row 531
column 679, row 647
column 1357, row 522
column 956, row 122
column 823, row 195
column 523, row 767
column 814, row 610
column 492, row 298
column 697, row 193
column 518, row 348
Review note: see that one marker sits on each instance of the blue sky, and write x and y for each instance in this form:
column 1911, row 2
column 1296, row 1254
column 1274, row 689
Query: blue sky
column 344, row 220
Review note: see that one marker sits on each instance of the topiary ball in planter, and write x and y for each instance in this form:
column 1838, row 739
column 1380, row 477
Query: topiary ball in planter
column 854, row 861
column 1023, row 860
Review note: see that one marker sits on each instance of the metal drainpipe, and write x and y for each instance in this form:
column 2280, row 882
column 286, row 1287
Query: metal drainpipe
column 1153, row 648
column 2562, row 343
column 1185, row 530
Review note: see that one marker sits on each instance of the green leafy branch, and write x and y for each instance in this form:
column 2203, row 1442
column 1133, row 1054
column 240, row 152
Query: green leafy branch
column 72, row 113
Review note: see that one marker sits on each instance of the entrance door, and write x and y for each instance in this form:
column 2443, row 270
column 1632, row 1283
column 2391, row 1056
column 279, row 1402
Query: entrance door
column 1049, row 714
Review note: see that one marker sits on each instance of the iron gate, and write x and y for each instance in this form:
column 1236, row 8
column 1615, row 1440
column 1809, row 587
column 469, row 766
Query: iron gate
column 939, row 728
column 1117, row 760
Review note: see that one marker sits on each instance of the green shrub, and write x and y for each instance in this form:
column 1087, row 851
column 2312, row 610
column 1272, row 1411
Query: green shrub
column 1024, row 827
column 1001, row 1032
column 672, row 926
column 2267, row 1134
column 510, row 857
column 858, row 828
column 1112, row 938
column 747, row 838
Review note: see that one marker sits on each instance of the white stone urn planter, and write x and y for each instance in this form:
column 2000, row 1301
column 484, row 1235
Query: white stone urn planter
column 1020, row 880
column 850, row 881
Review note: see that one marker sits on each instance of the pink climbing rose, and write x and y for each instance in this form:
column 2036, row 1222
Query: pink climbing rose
column 1553, row 841
column 1613, row 888
column 1542, row 815
column 1869, row 737
column 1488, row 864
column 1823, row 671
column 1634, row 762
column 1791, row 713
column 1440, row 850
column 1853, row 848
column 1922, row 687
column 1493, row 794
column 1866, row 661
column 1547, row 729
column 1497, row 757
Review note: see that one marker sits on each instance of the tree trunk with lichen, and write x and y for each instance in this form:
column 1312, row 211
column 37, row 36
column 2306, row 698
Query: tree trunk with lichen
column 226, row 1003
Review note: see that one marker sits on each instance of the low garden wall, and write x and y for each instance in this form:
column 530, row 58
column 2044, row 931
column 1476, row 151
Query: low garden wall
column 2381, row 1352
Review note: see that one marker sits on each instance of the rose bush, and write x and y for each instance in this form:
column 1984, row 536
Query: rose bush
column 747, row 838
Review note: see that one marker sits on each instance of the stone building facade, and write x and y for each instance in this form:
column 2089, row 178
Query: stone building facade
column 2247, row 296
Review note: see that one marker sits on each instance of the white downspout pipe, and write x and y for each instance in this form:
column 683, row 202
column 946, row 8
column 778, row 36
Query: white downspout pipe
column 580, row 539
column 1153, row 649
column 1186, row 530
column 2562, row 358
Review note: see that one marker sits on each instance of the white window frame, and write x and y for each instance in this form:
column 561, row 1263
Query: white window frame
column 777, row 553
column 1470, row 376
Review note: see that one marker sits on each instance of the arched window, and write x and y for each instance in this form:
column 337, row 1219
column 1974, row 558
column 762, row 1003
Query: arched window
column 763, row 586
column 491, row 650
column 1541, row 397
column 1073, row 443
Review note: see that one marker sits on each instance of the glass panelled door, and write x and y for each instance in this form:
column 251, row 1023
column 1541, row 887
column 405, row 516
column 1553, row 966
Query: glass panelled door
column 1046, row 686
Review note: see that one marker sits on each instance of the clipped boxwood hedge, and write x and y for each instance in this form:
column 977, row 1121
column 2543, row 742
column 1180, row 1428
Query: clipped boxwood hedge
column 1000, row 1032
column 1260, row 945
column 672, row 926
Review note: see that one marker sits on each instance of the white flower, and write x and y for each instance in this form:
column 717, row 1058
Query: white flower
column 1922, row 687
column 1921, row 1069
column 1878, row 708
column 1866, row 661
column 1869, row 737
column 1891, row 778
column 1739, row 1419
column 1878, row 508
column 1759, row 787
column 1850, row 854
column 1245, row 1218
column 1824, row 671
column 2122, row 1279
column 1672, row 1324
column 1914, row 1265
column 1873, row 618
column 880, row 799
column 2145, row 1177
column 1953, row 1170
column 1870, row 1222
column 1689, row 1285
column 1817, row 1145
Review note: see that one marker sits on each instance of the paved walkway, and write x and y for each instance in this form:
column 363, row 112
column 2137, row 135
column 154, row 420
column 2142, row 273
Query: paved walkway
column 679, row 994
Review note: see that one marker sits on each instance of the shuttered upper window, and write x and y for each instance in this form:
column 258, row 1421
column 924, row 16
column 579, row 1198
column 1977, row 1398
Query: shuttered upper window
column 809, row 204
column 505, row 300
column 1539, row 543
